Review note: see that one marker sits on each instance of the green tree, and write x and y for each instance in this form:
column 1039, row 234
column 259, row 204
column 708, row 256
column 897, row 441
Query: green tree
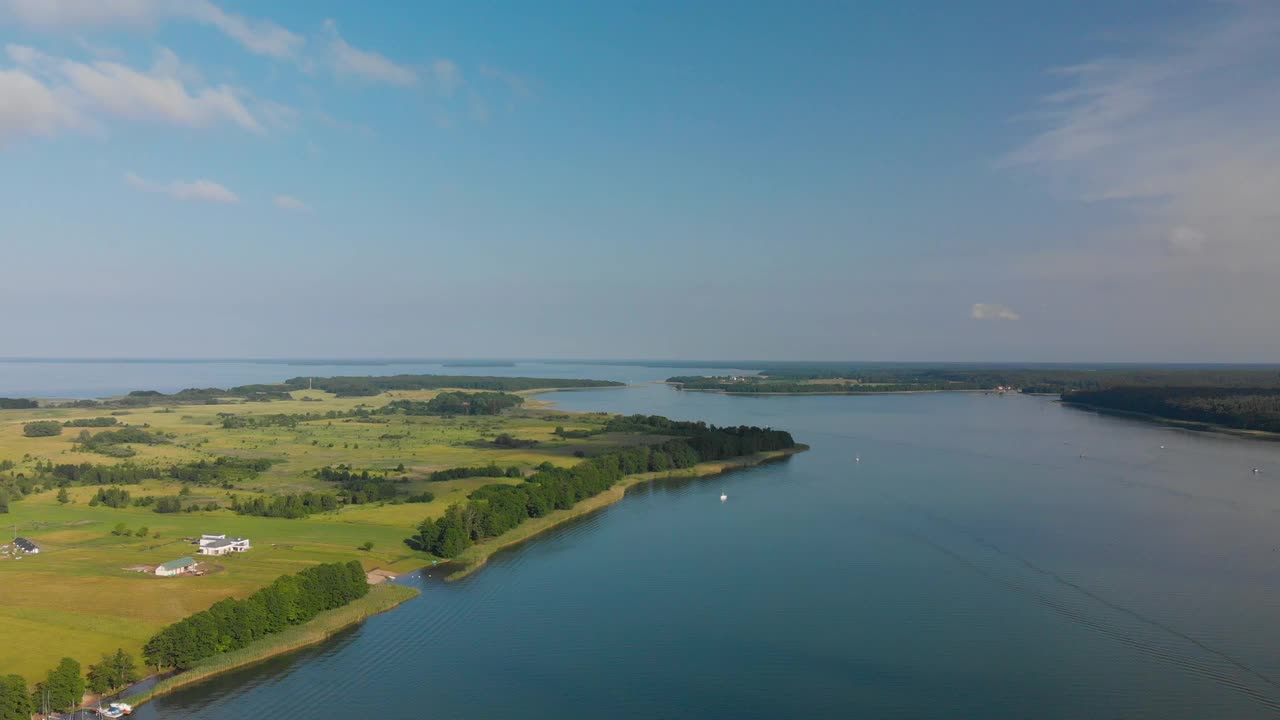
column 63, row 497
column 115, row 671
column 15, row 701
column 64, row 685
column 142, row 531
column 42, row 428
column 367, row 546
column 120, row 529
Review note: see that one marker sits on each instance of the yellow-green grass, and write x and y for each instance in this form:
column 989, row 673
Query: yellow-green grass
column 76, row 598
column 380, row 599
column 431, row 443
column 475, row 557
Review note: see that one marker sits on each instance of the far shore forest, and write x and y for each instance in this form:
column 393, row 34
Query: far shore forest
column 1236, row 398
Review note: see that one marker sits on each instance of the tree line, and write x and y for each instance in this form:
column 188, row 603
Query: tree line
column 457, row 403
column 105, row 421
column 1241, row 408
column 63, row 687
column 292, row 506
column 18, row 404
column 1050, row 379
column 232, row 624
column 361, row 487
column 352, row 386
column 490, row 470
column 494, row 509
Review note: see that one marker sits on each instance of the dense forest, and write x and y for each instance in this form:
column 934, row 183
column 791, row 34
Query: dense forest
column 292, row 506
column 494, row 509
column 754, row 385
column 1235, row 407
column 465, row 472
column 457, row 403
column 17, row 404
column 232, row 624
column 352, row 386
column 361, row 486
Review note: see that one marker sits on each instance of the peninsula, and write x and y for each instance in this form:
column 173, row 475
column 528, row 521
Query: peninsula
column 121, row 496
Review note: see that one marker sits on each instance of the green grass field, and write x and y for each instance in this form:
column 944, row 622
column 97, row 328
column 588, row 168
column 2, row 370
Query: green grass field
column 78, row 598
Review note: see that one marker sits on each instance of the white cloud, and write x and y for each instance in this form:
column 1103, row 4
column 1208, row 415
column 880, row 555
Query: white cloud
column 993, row 311
column 1180, row 137
column 261, row 37
column 61, row 92
column 27, row 106
column 289, row 202
column 202, row 190
column 257, row 36
column 348, row 61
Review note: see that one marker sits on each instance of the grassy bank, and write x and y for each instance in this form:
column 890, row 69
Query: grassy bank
column 380, row 599
column 475, row 557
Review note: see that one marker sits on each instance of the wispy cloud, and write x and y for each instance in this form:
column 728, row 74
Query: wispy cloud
column 47, row 93
column 992, row 311
column 201, row 190
column 348, row 61
column 446, row 75
column 516, row 84
column 258, row 36
column 1180, row 134
column 289, row 202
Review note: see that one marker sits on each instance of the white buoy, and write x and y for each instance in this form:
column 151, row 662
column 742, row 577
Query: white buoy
column 723, row 496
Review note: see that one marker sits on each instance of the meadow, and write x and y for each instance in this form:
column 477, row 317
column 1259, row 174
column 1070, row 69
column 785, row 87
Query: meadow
column 78, row 597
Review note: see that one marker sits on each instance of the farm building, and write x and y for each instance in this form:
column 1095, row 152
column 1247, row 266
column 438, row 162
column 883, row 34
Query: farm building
column 176, row 567
column 222, row 545
column 26, row 546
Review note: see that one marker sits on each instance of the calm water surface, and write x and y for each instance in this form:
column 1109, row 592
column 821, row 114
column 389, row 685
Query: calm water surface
column 986, row 557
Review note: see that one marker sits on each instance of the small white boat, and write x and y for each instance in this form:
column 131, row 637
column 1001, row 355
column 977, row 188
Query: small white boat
column 125, row 708
column 723, row 496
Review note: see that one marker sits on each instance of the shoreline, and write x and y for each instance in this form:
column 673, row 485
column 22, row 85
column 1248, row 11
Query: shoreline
column 477, row 556
column 1190, row 425
column 381, row 598
column 386, row 596
column 827, row 392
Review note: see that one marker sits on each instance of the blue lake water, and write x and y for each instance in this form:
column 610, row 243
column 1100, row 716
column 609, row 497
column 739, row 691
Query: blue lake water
column 932, row 556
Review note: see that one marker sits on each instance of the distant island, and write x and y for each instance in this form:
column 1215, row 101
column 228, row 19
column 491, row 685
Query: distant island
column 1205, row 398
column 893, row 377
column 213, row 527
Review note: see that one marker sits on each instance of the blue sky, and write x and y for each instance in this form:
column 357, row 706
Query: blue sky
column 893, row 181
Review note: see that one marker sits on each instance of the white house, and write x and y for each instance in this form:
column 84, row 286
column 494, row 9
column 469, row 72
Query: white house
column 176, row 567
column 221, row 545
